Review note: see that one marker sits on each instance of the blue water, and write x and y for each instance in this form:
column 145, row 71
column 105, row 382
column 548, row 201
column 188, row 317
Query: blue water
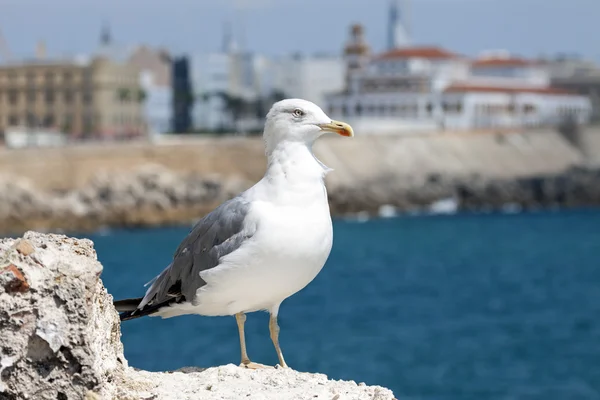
column 452, row 307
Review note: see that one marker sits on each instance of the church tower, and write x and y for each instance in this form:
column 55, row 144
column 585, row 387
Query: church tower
column 398, row 30
column 356, row 53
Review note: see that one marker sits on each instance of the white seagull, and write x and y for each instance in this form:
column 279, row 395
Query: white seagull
column 259, row 248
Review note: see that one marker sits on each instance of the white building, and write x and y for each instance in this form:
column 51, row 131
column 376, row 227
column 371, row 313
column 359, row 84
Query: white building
column 310, row 77
column 210, row 75
column 254, row 79
column 426, row 88
column 157, row 104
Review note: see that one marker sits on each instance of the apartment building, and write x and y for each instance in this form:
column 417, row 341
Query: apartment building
column 91, row 98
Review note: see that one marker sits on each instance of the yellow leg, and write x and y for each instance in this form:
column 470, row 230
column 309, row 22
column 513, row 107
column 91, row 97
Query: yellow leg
column 274, row 330
column 246, row 363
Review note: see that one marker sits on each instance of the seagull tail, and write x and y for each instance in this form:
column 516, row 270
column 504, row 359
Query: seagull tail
column 127, row 304
column 128, row 308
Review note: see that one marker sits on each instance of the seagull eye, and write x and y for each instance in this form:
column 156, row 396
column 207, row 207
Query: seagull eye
column 298, row 113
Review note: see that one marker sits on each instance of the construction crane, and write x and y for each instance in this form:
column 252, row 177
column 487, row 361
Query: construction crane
column 4, row 50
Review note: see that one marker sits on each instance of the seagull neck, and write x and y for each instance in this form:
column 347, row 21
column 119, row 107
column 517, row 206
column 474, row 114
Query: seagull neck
column 294, row 162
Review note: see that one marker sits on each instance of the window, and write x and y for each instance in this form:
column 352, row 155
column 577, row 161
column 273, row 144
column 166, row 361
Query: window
column 49, row 78
column 49, row 120
column 31, row 119
column 358, row 109
column 13, row 120
column 67, row 77
column 30, row 78
column 68, row 96
column 88, row 124
column 67, row 123
column 31, row 95
column 49, row 96
column 13, row 96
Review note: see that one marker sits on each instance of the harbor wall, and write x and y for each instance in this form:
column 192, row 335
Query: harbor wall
column 409, row 158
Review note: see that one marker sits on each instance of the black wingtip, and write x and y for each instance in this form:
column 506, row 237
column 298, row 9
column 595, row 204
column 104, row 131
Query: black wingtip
column 126, row 316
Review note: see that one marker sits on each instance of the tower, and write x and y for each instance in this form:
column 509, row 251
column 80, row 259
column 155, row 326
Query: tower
column 105, row 36
column 398, row 29
column 229, row 44
column 356, row 53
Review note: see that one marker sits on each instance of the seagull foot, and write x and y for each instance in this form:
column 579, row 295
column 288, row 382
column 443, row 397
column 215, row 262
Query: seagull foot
column 253, row 365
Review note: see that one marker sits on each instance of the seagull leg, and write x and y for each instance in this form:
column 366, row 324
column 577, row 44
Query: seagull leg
column 246, row 363
column 274, row 330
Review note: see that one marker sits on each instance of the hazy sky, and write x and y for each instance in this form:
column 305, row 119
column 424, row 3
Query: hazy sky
column 527, row 27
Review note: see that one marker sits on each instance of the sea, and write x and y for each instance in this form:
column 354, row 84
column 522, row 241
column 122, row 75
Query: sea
column 464, row 306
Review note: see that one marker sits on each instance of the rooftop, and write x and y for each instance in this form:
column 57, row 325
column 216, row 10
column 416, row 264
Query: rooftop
column 502, row 62
column 466, row 88
column 429, row 52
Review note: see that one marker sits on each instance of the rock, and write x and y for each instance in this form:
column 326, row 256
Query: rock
column 153, row 195
column 24, row 247
column 60, row 332
column 61, row 339
column 148, row 195
column 233, row 382
column 13, row 280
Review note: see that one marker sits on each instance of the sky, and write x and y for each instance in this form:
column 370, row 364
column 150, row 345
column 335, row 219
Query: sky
column 277, row 27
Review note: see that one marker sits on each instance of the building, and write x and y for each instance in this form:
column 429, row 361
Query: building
column 183, row 96
column 84, row 98
column 213, row 80
column 427, row 88
column 309, row 77
column 230, row 87
column 580, row 76
column 155, row 80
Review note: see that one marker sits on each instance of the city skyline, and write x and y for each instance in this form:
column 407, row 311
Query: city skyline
column 185, row 26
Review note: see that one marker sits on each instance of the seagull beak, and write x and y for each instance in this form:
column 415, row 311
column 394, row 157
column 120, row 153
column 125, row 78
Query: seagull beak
column 341, row 128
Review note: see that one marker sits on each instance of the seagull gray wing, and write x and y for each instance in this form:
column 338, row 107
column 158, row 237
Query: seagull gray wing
column 217, row 234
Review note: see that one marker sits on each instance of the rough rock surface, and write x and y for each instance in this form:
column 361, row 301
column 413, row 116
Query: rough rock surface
column 59, row 335
column 60, row 339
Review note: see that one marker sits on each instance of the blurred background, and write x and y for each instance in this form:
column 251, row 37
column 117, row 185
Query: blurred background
column 465, row 262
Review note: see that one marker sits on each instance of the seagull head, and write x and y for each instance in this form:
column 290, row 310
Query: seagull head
column 296, row 120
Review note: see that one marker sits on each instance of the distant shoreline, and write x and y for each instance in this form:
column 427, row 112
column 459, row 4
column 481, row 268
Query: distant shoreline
column 153, row 196
column 179, row 179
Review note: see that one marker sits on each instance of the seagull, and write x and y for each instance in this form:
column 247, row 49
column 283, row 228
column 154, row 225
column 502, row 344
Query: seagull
column 261, row 247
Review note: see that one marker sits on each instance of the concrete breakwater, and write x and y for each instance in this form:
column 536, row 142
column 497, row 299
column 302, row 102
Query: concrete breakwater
column 178, row 180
